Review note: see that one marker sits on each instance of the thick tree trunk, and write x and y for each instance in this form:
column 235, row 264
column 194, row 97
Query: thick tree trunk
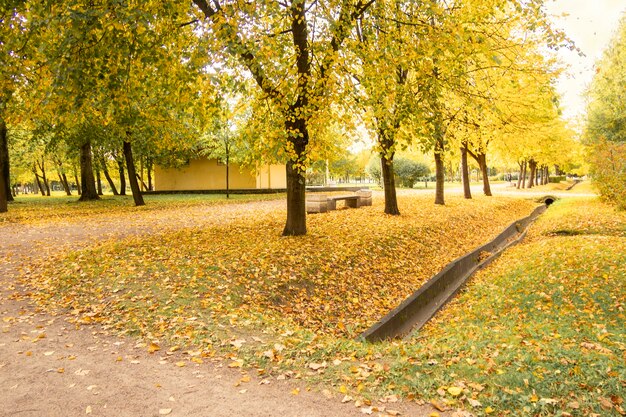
column 296, row 194
column 296, row 208
column 546, row 177
column 389, row 186
column 386, row 139
column 108, row 177
column 132, row 174
column 524, row 170
column 440, row 178
column 5, row 175
column 467, row 192
column 88, row 182
column 120, row 168
column 533, row 170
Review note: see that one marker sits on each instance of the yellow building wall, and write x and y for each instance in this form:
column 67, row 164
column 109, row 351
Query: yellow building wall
column 271, row 176
column 202, row 174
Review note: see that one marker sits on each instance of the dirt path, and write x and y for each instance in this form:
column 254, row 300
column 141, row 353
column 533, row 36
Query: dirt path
column 49, row 367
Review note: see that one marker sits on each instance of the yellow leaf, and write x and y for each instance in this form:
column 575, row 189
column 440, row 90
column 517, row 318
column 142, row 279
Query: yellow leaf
column 153, row 348
column 455, row 391
column 180, row 364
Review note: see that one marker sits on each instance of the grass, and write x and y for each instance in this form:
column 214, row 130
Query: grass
column 540, row 332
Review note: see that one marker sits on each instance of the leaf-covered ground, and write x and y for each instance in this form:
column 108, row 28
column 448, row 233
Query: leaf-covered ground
column 35, row 209
column 540, row 332
column 351, row 268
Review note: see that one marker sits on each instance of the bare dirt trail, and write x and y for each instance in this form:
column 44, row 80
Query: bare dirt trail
column 49, row 367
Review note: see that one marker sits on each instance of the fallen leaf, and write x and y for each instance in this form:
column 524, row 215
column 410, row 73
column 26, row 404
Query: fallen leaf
column 164, row 411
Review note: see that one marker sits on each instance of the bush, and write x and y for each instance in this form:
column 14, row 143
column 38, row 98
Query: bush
column 608, row 163
column 409, row 172
column 557, row 179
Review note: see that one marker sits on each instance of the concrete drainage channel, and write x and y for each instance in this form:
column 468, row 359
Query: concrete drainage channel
column 420, row 307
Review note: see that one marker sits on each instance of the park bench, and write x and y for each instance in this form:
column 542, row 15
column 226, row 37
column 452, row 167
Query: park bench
column 321, row 203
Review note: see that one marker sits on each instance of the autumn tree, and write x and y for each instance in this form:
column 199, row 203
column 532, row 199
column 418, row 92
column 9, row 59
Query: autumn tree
column 15, row 45
column 290, row 49
column 606, row 120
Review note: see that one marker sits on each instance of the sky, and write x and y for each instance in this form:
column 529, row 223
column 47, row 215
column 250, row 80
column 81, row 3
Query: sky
column 591, row 24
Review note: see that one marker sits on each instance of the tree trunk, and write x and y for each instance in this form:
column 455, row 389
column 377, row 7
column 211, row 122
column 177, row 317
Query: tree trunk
column 132, row 174
column 88, row 182
column 467, row 192
column 227, row 170
column 296, row 181
column 482, row 163
column 38, row 181
column 141, row 183
column 440, row 178
column 541, row 172
column 524, row 169
column 98, row 182
column 386, row 139
column 120, row 168
column 44, row 177
column 108, row 177
column 4, row 168
column 63, row 181
column 77, row 181
column 546, row 177
column 4, row 207
column 533, row 170
column 439, row 156
column 519, row 176
column 149, row 165
column 389, row 186
column 296, row 208
column 5, row 175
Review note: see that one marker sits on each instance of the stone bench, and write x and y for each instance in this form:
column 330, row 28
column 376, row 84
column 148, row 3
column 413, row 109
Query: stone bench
column 352, row 201
column 321, row 203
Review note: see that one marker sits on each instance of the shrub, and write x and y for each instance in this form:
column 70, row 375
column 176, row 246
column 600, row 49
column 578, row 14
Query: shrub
column 409, row 172
column 557, row 179
column 608, row 163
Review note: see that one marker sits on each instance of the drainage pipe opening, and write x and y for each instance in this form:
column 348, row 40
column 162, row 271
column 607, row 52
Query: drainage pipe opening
column 548, row 200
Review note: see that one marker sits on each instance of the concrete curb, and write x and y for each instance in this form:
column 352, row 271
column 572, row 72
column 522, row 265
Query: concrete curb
column 416, row 310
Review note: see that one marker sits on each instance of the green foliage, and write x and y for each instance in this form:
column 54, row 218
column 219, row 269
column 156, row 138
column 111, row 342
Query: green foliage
column 606, row 112
column 606, row 121
column 557, row 178
column 409, row 171
column 374, row 170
